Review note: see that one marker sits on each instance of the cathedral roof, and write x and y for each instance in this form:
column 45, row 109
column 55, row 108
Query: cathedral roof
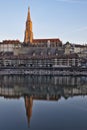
column 50, row 40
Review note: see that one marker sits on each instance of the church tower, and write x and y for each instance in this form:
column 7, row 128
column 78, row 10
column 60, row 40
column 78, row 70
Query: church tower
column 28, row 32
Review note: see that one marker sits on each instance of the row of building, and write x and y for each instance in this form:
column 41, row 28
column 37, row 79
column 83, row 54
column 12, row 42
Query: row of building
column 41, row 52
column 67, row 48
column 42, row 55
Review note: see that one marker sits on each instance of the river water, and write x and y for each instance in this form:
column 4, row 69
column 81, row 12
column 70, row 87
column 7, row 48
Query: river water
column 43, row 102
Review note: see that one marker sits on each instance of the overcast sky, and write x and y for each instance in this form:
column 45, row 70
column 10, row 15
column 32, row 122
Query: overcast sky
column 63, row 19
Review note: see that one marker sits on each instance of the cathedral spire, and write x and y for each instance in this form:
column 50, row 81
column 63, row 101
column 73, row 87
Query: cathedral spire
column 28, row 17
column 28, row 8
column 28, row 32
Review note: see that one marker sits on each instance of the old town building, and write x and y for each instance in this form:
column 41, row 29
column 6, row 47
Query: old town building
column 38, row 61
column 9, row 45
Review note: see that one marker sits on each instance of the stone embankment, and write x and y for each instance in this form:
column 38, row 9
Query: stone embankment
column 41, row 72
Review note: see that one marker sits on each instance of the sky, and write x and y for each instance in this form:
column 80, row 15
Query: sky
column 63, row 19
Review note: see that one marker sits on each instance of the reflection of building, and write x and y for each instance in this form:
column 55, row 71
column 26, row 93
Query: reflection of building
column 41, row 88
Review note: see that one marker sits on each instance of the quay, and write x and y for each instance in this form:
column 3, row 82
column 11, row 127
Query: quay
column 44, row 71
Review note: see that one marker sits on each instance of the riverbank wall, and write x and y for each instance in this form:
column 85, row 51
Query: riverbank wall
column 52, row 72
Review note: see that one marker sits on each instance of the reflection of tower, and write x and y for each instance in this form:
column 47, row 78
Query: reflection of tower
column 28, row 32
column 28, row 105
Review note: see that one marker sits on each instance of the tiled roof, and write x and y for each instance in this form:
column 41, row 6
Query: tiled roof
column 46, row 40
column 10, row 42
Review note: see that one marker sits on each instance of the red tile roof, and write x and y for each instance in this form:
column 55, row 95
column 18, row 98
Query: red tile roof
column 11, row 42
column 54, row 40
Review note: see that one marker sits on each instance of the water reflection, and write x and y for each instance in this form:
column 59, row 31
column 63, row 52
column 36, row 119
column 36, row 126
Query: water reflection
column 44, row 87
column 41, row 88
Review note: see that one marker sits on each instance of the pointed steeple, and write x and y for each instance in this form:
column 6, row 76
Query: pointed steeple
column 28, row 32
column 28, row 17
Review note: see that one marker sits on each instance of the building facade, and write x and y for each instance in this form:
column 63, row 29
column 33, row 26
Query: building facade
column 39, row 61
